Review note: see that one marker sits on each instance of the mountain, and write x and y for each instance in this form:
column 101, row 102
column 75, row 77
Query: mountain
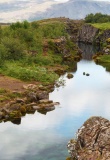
column 74, row 9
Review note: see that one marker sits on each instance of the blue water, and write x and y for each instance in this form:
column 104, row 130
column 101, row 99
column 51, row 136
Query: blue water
column 44, row 137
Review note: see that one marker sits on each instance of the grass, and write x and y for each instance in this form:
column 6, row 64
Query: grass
column 30, row 50
column 7, row 95
column 28, row 72
column 102, row 26
column 104, row 60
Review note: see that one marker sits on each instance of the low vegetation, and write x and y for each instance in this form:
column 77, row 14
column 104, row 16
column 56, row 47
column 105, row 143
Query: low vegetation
column 103, row 60
column 26, row 49
column 102, row 26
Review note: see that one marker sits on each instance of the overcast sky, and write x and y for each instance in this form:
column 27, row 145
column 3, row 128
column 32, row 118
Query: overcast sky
column 11, row 10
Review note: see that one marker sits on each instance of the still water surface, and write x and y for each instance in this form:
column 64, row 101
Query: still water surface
column 44, row 137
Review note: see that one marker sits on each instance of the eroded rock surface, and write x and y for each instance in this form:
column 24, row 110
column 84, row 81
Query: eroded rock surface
column 92, row 142
column 87, row 34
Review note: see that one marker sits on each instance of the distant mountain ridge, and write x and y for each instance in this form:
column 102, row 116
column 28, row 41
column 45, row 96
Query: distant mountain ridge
column 74, row 9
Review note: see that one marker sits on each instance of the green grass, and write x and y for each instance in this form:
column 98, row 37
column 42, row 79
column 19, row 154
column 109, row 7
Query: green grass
column 104, row 60
column 28, row 72
column 28, row 49
column 102, row 26
column 7, row 95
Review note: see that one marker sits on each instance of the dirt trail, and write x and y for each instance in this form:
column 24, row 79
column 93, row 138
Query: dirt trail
column 11, row 83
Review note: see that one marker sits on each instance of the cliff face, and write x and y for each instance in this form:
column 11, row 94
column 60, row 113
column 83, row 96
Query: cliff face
column 87, row 33
column 90, row 34
column 92, row 142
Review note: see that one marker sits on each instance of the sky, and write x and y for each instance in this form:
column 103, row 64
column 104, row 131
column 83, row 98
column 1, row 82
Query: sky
column 11, row 10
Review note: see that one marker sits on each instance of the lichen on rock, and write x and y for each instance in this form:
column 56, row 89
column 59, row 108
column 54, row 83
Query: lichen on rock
column 92, row 142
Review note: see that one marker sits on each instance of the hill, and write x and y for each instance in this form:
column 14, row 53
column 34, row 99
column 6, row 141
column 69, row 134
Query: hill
column 75, row 9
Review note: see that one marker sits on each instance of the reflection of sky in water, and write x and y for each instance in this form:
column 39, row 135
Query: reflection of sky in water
column 44, row 137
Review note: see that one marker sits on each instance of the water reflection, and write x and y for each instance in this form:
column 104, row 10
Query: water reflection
column 41, row 136
column 16, row 121
column 88, row 50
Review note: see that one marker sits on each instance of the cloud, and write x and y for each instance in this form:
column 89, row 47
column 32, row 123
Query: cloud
column 13, row 11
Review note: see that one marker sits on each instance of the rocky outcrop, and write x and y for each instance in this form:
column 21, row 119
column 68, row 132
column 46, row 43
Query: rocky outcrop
column 90, row 34
column 92, row 142
column 35, row 98
column 87, row 33
column 103, row 36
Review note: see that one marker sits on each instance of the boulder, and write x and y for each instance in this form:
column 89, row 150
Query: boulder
column 87, row 74
column 69, row 75
column 92, row 142
column 32, row 97
column 42, row 95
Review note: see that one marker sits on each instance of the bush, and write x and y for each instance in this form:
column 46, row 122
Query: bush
column 27, row 73
column 13, row 48
column 3, row 54
column 97, row 18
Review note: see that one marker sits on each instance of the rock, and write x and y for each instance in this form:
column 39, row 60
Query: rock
column 15, row 114
column 32, row 97
column 45, row 101
column 50, row 108
column 19, row 101
column 1, row 115
column 36, row 107
column 77, row 58
column 92, row 142
column 84, row 73
column 15, row 106
column 107, row 51
column 69, row 75
column 56, row 103
column 87, row 74
column 59, row 71
column 42, row 95
column 30, row 86
column 87, row 33
column 23, row 109
column 46, row 105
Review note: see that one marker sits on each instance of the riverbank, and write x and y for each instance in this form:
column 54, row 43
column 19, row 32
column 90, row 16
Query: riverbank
column 33, row 56
column 36, row 54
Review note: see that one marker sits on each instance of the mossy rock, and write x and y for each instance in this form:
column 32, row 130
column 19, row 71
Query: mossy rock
column 23, row 109
column 30, row 110
column 15, row 114
column 69, row 75
column 77, row 58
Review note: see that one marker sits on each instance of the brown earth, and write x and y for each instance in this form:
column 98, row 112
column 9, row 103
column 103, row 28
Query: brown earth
column 11, row 84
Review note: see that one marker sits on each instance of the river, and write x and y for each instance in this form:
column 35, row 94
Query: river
column 44, row 137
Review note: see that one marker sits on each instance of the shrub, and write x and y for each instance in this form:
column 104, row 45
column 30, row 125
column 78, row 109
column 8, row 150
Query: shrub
column 14, row 48
column 97, row 18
